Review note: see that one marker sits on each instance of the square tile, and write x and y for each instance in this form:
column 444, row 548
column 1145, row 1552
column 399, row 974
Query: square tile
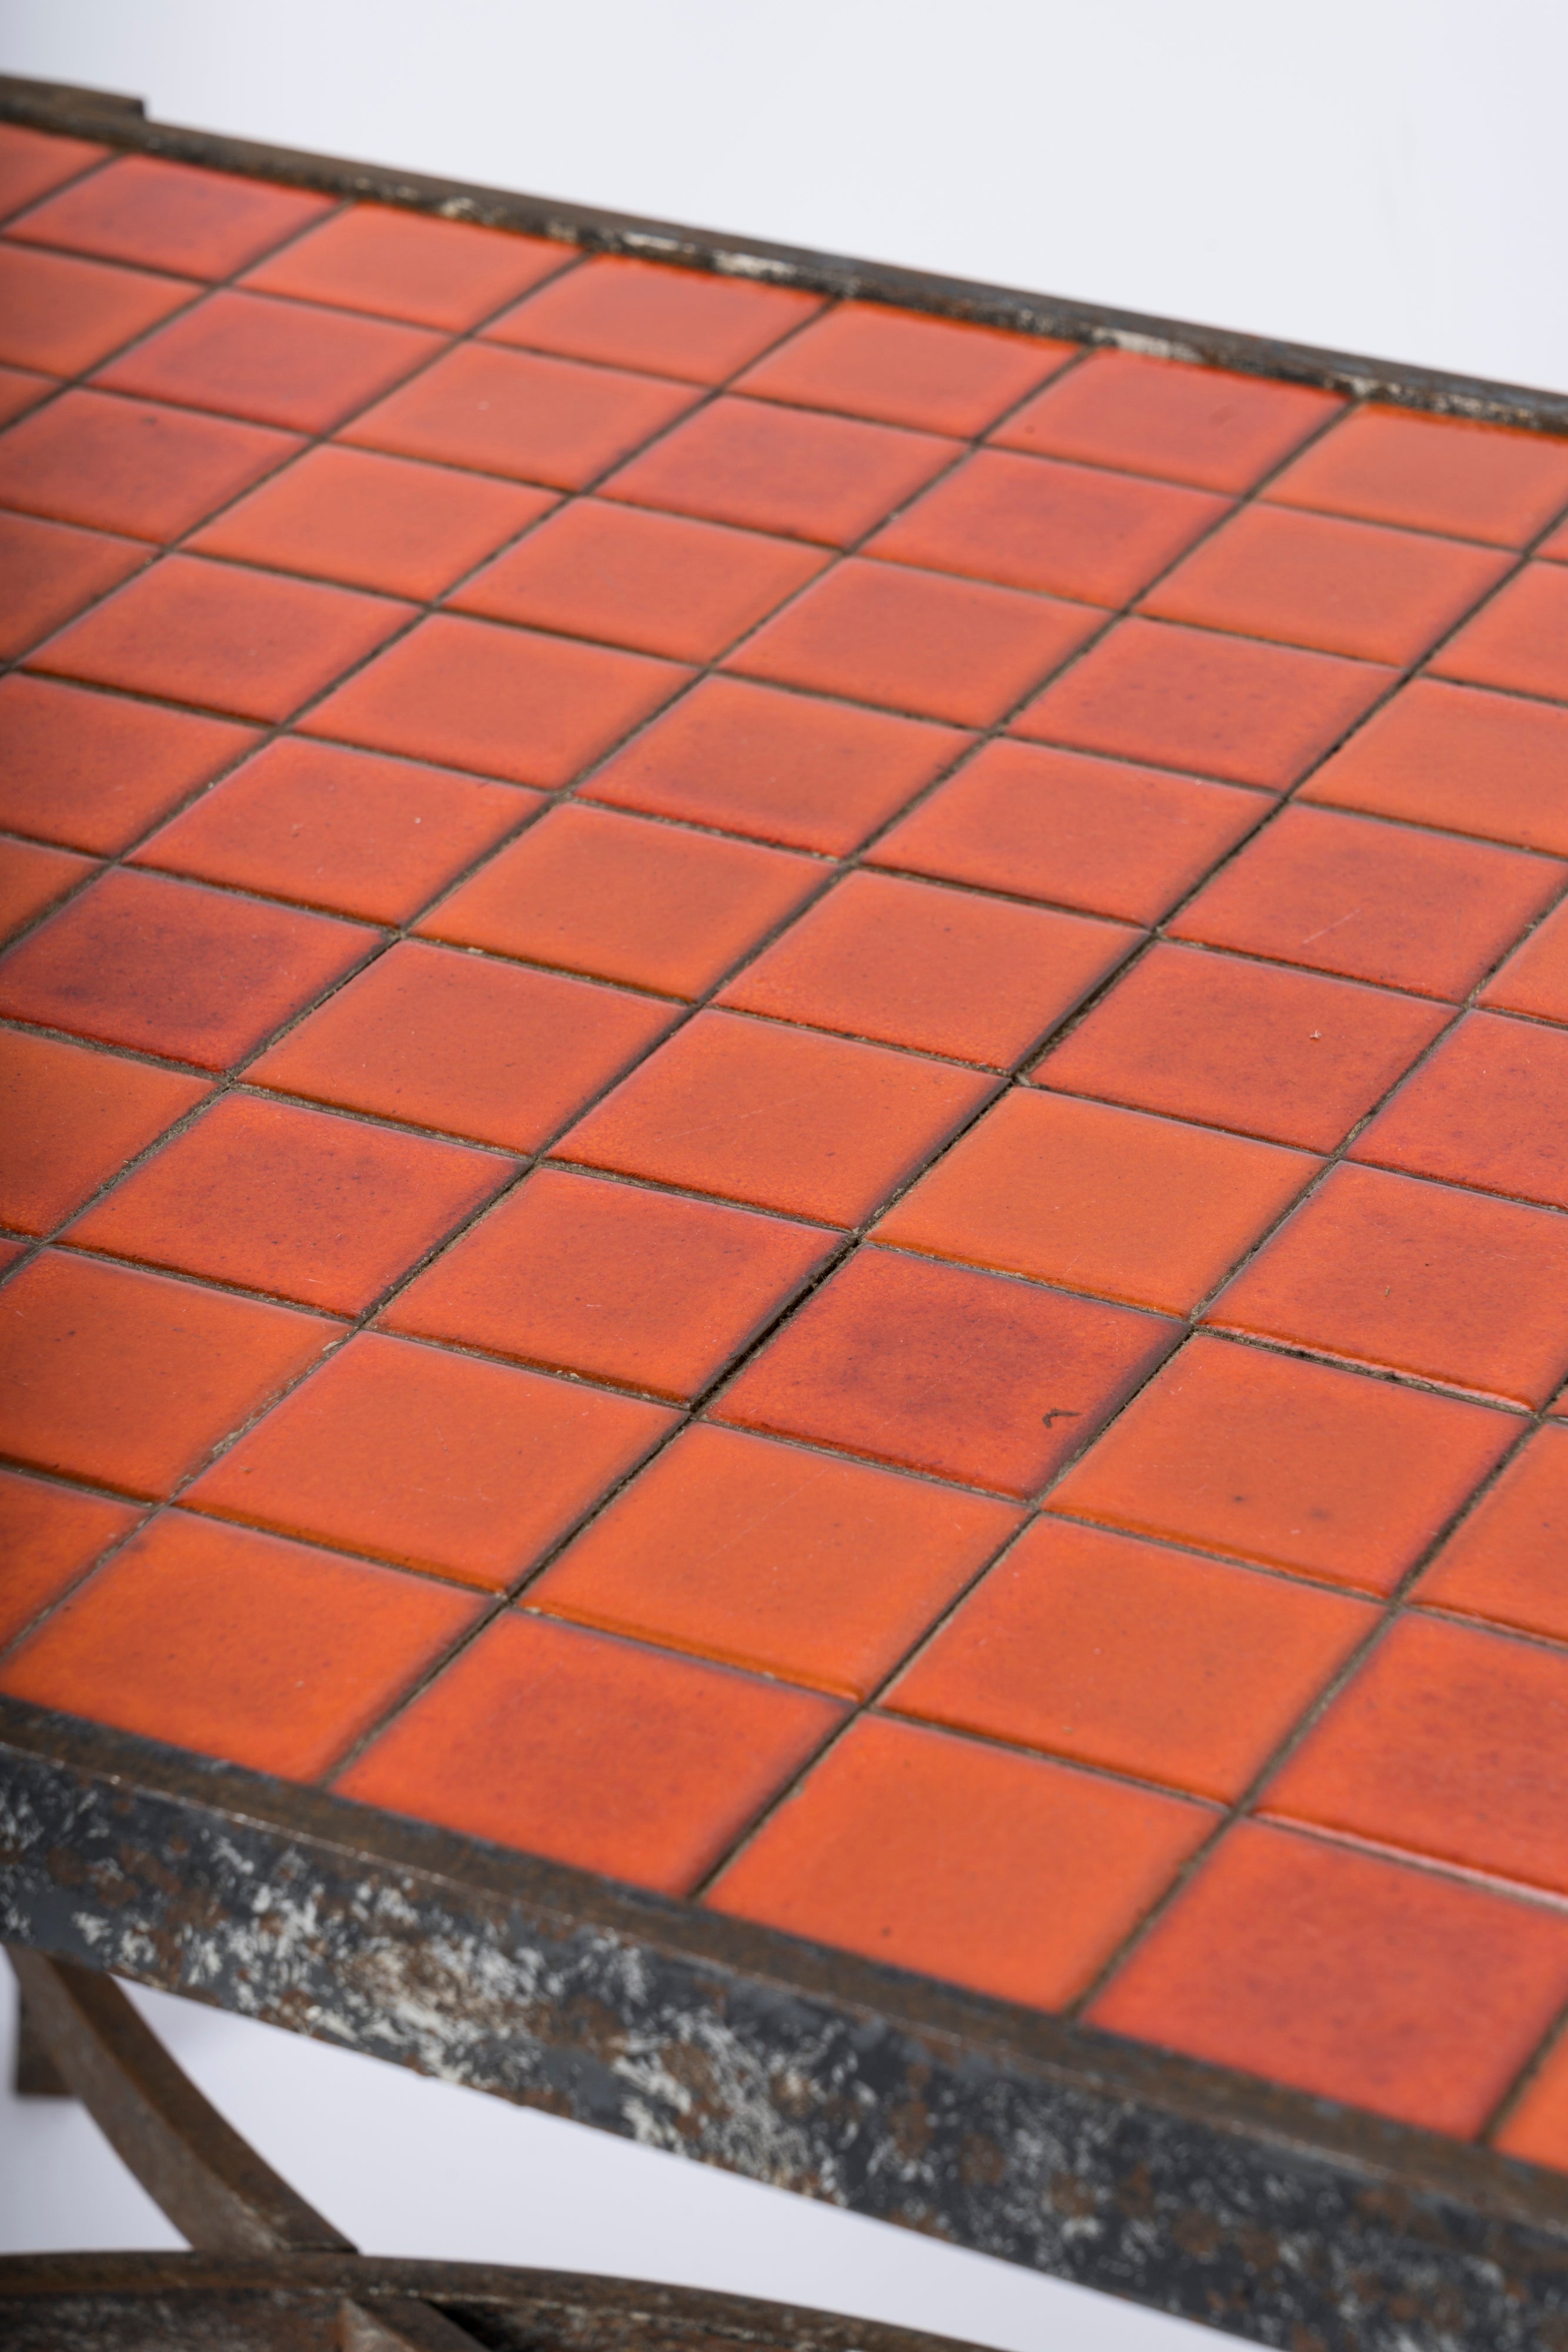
column 1136, row 1209
column 431, row 1460
column 945, row 1369
column 776, row 1116
column 779, row 767
column 456, row 1042
column 96, row 769
column 70, row 1119
column 944, row 972
column 1283, row 1054
column 1489, row 1109
column 1451, row 756
column 32, row 878
column 166, row 216
column 903, row 367
column 50, row 1535
column 1124, row 1654
column 645, row 1289
column 1482, row 1285
column 1535, row 977
column 50, row 571
column 593, row 1752
column 1204, row 426
column 1504, row 1561
column 133, row 466
column 34, row 162
column 1433, row 473
column 1288, row 1465
column 1005, row 1873
column 623, row 312
column 404, row 265
column 20, row 390
column 1520, row 640
column 770, row 1557
column 287, row 364
column 62, row 315
column 1537, row 2127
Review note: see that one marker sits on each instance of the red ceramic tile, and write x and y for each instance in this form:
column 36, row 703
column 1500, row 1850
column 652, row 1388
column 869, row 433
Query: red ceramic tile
column 430, row 1459
column 63, row 315
column 95, row 769
column 1004, row 1873
column 544, row 420
column 1127, row 1655
column 50, row 571
column 71, row 1118
column 1489, row 1109
column 11, row 1255
column 624, row 900
column 642, row 1288
column 166, row 968
column 1520, row 640
column 1556, row 546
column 1537, row 2129
column 1505, row 1560
column 1196, row 425
column 1451, row 756
column 1351, row 1977
column 375, row 523
column 130, row 465
column 593, row 1752
column 1433, row 473
column 20, row 390
column 1033, row 523
column 404, row 265
column 506, row 702
column 1376, row 902
column 1416, row 1278
column 1292, row 1465
column 623, row 312
column 663, row 583
column 1283, row 1054
column 813, row 775
column 767, row 1556
column 1089, row 833
column 267, row 1654
column 168, row 215
column 903, row 368
column 232, row 640
column 1535, row 977
column 129, row 1378
column 945, row 1369
column 322, row 1209
column 49, row 1535
column 915, row 641
column 1250, row 713
column 1135, row 1209
column 456, row 1042
column 941, row 970
column 814, row 1126
column 285, row 364
column 34, row 162
column 745, row 461
column 32, row 878
column 358, row 835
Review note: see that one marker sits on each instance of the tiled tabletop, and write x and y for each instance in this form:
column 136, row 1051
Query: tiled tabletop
column 788, row 1112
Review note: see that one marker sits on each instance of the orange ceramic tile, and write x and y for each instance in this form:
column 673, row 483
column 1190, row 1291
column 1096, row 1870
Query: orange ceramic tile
column 245, row 641
column 50, row 571
column 70, row 1119
column 1489, row 1109
column 1520, row 640
column 780, row 767
column 517, row 412
column 942, row 971
column 168, row 215
column 62, row 315
column 285, row 364
column 1556, row 546
column 167, row 968
column 624, row 900
column 903, row 368
column 506, row 702
column 374, row 522
column 781, row 1117
column 1535, row 977
column 1136, row 1209
column 664, row 583
column 768, row 1556
column 1196, row 425
column 404, row 265
column 1089, row 833
column 344, row 830
column 1348, row 1976
column 1283, row 1054
column 32, row 878
column 456, row 1042
column 941, row 1369
column 593, row 1752
column 273, row 1197
column 1451, row 756
column 1537, row 2127
column 1292, row 1465
column 646, row 1290
column 915, row 641
column 132, row 465
column 1229, row 706
column 1127, row 1655
column 96, row 769
column 1433, row 473
column 1504, row 1561
column 49, row 1535
column 1377, row 902
column 431, row 1459
column 745, row 461
column 20, row 390
column 1004, row 1873
column 623, row 312
column 267, row 1654
column 130, row 1378
column 1033, row 523
column 34, row 162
